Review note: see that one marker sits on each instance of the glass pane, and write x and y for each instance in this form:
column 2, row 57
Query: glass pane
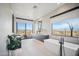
column 20, row 28
column 68, row 27
column 60, row 28
column 29, row 28
column 75, row 24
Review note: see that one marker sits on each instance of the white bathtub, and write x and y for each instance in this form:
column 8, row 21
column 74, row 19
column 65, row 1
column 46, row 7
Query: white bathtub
column 70, row 49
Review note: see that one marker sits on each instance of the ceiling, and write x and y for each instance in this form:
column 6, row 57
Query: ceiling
column 32, row 11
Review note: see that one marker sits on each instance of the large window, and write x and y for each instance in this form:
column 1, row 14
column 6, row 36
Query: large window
column 20, row 28
column 60, row 29
column 24, row 29
column 67, row 27
column 29, row 28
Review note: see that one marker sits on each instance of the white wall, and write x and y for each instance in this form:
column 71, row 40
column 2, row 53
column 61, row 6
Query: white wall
column 46, row 26
column 5, row 26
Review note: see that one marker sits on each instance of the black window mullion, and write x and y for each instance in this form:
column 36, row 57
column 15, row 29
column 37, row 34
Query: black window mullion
column 25, row 28
column 32, row 27
column 16, row 27
column 52, row 28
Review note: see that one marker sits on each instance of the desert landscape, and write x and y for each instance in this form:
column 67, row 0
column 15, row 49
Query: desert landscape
column 54, row 32
column 22, row 32
column 65, row 33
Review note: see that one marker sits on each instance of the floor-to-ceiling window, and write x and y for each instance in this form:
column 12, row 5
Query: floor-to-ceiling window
column 20, row 28
column 29, row 28
column 24, row 28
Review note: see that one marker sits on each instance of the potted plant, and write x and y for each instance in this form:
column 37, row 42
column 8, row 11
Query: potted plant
column 14, row 42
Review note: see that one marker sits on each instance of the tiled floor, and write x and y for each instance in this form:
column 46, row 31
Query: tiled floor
column 32, row 47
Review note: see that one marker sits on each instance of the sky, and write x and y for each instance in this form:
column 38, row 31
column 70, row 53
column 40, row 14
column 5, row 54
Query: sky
column 56, row 25
column 22, row 25
column 65, row 24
